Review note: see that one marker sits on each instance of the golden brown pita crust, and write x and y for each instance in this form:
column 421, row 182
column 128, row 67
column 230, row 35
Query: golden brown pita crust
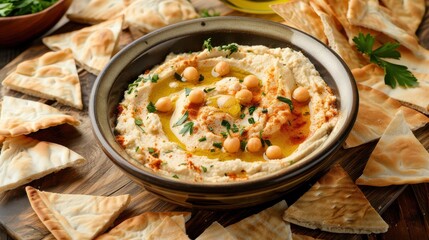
column 75, row 216
column 20, row 117
column 98, row 11
column 143, row 16
column 267, row 224
column 335, row 204
column 141, row 225
column 92, row 46
column 415, row 64
column 169, row 229
column 300, row 15
column 23, row 159
column 398, row 158
column 410, row 13
column 338, row 42
column 216, row 231
column 376, row 111
column 52, row 76
column 416, row 97
column 371, row 15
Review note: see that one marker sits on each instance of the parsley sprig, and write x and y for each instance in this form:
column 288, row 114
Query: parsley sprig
column 394, row 73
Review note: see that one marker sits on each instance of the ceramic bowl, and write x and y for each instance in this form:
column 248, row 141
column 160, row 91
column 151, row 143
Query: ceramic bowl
column 15, row 30
column 150, row 50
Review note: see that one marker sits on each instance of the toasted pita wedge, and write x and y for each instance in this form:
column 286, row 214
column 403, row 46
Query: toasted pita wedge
column 168, row 229
column 52, row 76
column 410, row 13
column 143, row 16
column 216, row 231
column 415, row 64
column 371, row 15
column 376, row 111
column 335, row 204
column 75, row 216
column 416, row 97
column 300, row 15
column 92, row 47
column 338, row 42
column 20, row 117
column 98, row 11
column 141, row 226
column 23, row 159
column 399, row 158
column 267, row 224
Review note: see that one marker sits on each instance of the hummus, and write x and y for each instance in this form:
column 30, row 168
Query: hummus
column 231, row 113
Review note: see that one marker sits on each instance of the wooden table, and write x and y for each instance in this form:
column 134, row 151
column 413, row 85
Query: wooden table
column 404, row 208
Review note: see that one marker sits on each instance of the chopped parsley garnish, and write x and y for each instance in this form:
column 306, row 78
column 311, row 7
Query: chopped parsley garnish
column 210, row 129
column 207, row 90
column 242, row 115
column 243, row 145
column 182, row 119
column 201, row 78
column 226, row 124
column 208, row 44
column 154, row 78
column 153, row 152
column 137, row 148
column 204, row 169
column 188, row 127
column 234, row 128
column 208, row 13
column 175, row 176
column 268, row 142
column 187, row 91
column 286, row 100
column 224, row 134
column 178, row 77
column 264, row 110
column 252, row 109
column 151, row 107
column 138, row 122
column 202, row 139
column 217, row 144
column 394, row 73
column 251, row 120
column 232, row 48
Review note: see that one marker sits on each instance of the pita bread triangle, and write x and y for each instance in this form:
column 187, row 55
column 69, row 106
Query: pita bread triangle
column 267, row 224
column 376, row 110
column 171, row 228
column 52, row 76
column 216, row 231
column 335, row 204
column 410, row 13
column 98, row 11
column 92, row 46
column 398, row 158
column 75, row 216
column 415, row 97
column 141, row 226
column 20, row 117
column 23, row 159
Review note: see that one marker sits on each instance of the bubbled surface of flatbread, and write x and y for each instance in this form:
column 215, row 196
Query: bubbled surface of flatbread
column 24, row 159
column 20, row 117
column 398, row 158
column 98, row 11
column 170, row 228
column 52, row 76
column 335, row 204
column 76, row 216
column 216, row 231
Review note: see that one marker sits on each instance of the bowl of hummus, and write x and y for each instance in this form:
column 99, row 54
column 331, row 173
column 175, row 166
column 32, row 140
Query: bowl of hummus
column 224, row 112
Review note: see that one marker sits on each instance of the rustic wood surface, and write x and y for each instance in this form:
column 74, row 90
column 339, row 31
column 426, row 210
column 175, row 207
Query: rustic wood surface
column 405, row 208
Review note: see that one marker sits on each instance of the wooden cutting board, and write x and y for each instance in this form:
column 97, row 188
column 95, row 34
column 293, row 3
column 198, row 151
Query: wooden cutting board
column 100, row 177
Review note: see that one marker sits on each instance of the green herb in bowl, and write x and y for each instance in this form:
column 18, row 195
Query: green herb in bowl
column 23, row 7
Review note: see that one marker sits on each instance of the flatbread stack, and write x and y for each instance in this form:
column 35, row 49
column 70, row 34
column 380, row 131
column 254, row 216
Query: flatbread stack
column 21, row 117
column 151, row 225
column 98, row 11
column 74, row 216
column 337, row 22
column 24, row 159
column 398, row 158
column 92, row 47
column 143, row 16
column 335, row 204
column 52, row 76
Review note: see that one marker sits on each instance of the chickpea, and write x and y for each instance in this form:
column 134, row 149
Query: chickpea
column 197, row 96
column 251, row 81
column 232, row 144
column 301, row 94
column 164, row 104
column 244, row 96
column 254, row 144
column 274, row 152
column 191, row 74
column 221, row 68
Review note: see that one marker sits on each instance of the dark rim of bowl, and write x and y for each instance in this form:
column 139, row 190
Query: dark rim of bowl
column 33, row 14
column 273, row 179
